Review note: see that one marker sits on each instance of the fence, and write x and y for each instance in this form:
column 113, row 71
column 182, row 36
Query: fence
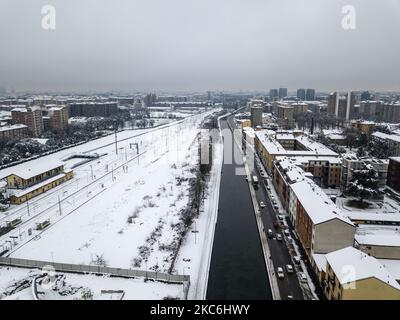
column 79, row 268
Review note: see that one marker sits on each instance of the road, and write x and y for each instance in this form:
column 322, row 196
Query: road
column 237, row 269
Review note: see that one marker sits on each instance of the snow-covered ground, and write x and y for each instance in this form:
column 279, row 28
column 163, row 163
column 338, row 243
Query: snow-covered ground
column 122, row 210
column 15, row 283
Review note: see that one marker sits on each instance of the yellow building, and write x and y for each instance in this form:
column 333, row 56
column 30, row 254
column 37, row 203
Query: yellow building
column 353, row 275
column 366, row 127
column 34, row 178
column 244, row 123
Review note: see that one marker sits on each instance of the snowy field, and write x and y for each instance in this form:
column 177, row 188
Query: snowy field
column 123, row 210
column 15, row 284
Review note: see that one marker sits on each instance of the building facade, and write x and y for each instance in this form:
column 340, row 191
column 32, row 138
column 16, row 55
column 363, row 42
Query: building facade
column 13, row 132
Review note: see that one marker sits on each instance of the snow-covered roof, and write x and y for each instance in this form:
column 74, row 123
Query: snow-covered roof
column 293, row 172
column 31, row 168
column 270, row 141
column 22, row 192
column 316, row 203
column 365, row 267
column 385, row 136
column 378, row 235
column 320, row 261
column 249, row 131
column 392, row 266
column 373, row 216
column 13, row 127
column 396, row 159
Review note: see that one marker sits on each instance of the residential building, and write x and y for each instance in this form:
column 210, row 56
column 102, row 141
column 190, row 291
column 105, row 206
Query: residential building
column 351, row 163
column 93, row 109
column 270, row 144
column 393, row 175
column 301, row 94
column 365, row 127
column 310, row 94
column 283, row 92
column 285, row 115
column 370, row 110
column 389, row 112
column 392, row 140
column 299, row 107
column 256, row 116
column 342, row 107
column 13, row 132
column 31, row 117
column 320, row 225
column 273, row 93
column 58, row 118
column 353, row 275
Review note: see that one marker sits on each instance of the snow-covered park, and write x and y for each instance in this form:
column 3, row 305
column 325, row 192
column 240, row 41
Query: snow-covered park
column 125, row 208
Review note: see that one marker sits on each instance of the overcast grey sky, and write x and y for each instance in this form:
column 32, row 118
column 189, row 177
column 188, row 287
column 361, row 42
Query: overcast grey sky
column 199, row 45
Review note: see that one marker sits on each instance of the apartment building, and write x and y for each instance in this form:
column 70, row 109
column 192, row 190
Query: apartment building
column 353, row 275
column 270, row 145
column 320, row 225
column 393, row 176
column 93, row 109
column 31, row 117
column 58, row 118
column 351, row 163
column 13, row 132
column 392, row 139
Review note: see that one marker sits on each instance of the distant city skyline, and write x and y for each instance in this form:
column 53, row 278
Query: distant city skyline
column 199, row 45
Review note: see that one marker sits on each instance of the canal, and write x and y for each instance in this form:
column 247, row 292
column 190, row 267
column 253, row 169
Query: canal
column 237, row 269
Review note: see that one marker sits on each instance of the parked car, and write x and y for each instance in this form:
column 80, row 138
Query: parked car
column 296, row 260
column 289, row 268
column 281, row 217
column 280, row 273
column 278, row 237
column 302, row 277
column 276, row 207
column 262, row 204
column 270, row 234
column 286, row 233
column 268, row 188
column 276, row 224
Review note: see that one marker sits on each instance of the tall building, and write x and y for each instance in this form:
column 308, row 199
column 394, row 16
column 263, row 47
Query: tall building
column 310, row 94
column 332, row 99
column 301, row 94
column 256, row 116
column 393, row 177
column 369, row 110
column 30, row 116
column 273, row 93
column 365, row 95
column 150, row 99
column 282, row 93
column 58, row 118
column 389, row 112
column 342, row 107
column 285, row 116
